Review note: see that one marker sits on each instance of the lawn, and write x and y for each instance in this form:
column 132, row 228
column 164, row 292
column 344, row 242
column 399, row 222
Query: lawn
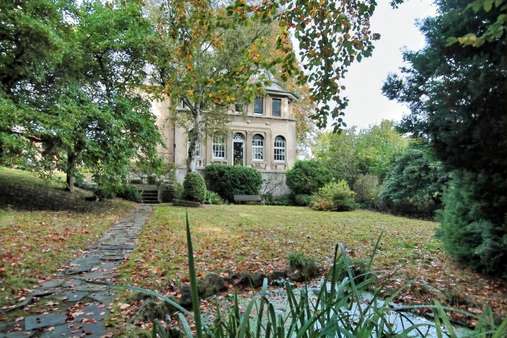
column 37, row 238
column 258, row 238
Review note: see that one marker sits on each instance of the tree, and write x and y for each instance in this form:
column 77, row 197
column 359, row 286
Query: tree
column 377, row 147
column 80, row 106
column 458, row 102
column 338, row 153
column 415, row 184
column 367, row 151
column 204, row 62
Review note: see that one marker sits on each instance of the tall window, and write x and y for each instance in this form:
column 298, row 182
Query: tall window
column 259, row 105
column 276, row 107
column 219, row 147
column 279, row 149
column 258, row 147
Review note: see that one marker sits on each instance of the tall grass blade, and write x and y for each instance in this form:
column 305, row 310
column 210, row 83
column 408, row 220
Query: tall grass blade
column 193, row 281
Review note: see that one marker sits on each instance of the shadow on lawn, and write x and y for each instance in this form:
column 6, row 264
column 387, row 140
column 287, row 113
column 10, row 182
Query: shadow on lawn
column 31, row 193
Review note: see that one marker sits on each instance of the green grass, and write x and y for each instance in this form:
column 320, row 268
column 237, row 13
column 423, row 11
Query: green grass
column 260, row 238
column 43, row 227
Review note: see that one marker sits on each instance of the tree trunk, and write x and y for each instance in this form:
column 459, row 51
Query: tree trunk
column 70, row 170
column 194, row 137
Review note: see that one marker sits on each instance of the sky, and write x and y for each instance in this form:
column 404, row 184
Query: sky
column 367, row 105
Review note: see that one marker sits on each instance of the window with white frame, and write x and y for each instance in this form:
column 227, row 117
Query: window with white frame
column 279, row 149
column 258, row 147
column 219, row 147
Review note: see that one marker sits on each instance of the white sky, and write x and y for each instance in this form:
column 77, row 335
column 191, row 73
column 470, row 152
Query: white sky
column 364, row 81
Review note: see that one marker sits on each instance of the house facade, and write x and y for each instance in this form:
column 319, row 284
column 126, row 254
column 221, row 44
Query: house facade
column 261, row 134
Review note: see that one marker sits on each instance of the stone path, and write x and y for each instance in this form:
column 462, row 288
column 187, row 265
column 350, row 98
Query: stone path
column 78, row 295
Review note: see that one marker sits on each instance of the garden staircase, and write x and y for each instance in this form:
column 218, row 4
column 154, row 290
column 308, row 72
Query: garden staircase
column 149, row 193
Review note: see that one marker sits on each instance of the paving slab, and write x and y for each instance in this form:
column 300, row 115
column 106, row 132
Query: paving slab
column 40, row 321
column 77, row 284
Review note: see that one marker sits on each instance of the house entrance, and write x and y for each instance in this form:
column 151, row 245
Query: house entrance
column 238, row 149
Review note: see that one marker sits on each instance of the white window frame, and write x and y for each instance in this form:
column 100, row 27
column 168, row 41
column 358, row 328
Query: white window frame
column 258, row 147
column 218, row 147
column 280, row 149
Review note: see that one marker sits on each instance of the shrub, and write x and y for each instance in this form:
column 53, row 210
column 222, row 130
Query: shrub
column 367, row 189
column 335, row 196
column 302, row 200
column 467, row 231
column 306, row 177
column 213, row 198
column 168, row 188
column 129, row 193
column 276, row 200
column 415, row 184
column 302, row 267
column 228, row 181
column 194, row 187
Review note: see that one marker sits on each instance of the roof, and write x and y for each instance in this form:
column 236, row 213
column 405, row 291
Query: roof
column 276, row 88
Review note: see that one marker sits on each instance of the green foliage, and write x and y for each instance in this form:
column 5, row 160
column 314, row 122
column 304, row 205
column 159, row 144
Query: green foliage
column 277, row 200
column 306, row 177
column 167, row 191
column 415, row 184
column 66, row 95
column 213, row 198
column 194, row 188
column 367, row 190
column 302, row 267
column 457, row 97
column 368, row 151
column 302, row 200
column 466, row 230
column 129, row 193
column 335, row 196
column 228, row 181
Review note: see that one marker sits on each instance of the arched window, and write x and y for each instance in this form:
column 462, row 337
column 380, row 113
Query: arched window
column 219, row 147
column 279, row 149
column 258, row 147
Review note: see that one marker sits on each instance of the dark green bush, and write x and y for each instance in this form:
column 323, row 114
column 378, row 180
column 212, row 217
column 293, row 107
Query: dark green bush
column 302, row 267
column 415, row 184
column 335, row 196
column 302, row 200
column 467, row 230
column 130, row 193
column 277, row 200
column 306, row 177
column 228, row 181
column 367, row 190
column 194, row 187
column 167, row 192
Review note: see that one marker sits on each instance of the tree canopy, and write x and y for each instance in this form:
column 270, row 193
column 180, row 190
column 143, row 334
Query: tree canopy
column 458, row 102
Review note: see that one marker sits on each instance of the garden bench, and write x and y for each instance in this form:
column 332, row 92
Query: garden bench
column 248, row 198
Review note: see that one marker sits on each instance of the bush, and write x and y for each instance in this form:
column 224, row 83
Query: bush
column 213, row 198
column 167, row 188
column 335, row 196
column 367, row 190
column 194, row 187
column 415, row 184
column 302, row 267
column 466, row 229
column 228, row 181
column 306, row 177
column 302, row 200
column 129, row 193
column 276, row 200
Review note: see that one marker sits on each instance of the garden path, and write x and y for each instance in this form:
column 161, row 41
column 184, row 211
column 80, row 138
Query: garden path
column 75, row 301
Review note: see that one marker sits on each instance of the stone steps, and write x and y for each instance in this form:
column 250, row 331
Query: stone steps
column 149, row 196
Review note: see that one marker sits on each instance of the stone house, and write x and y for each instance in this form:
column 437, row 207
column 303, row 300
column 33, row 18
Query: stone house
column 261, row 134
